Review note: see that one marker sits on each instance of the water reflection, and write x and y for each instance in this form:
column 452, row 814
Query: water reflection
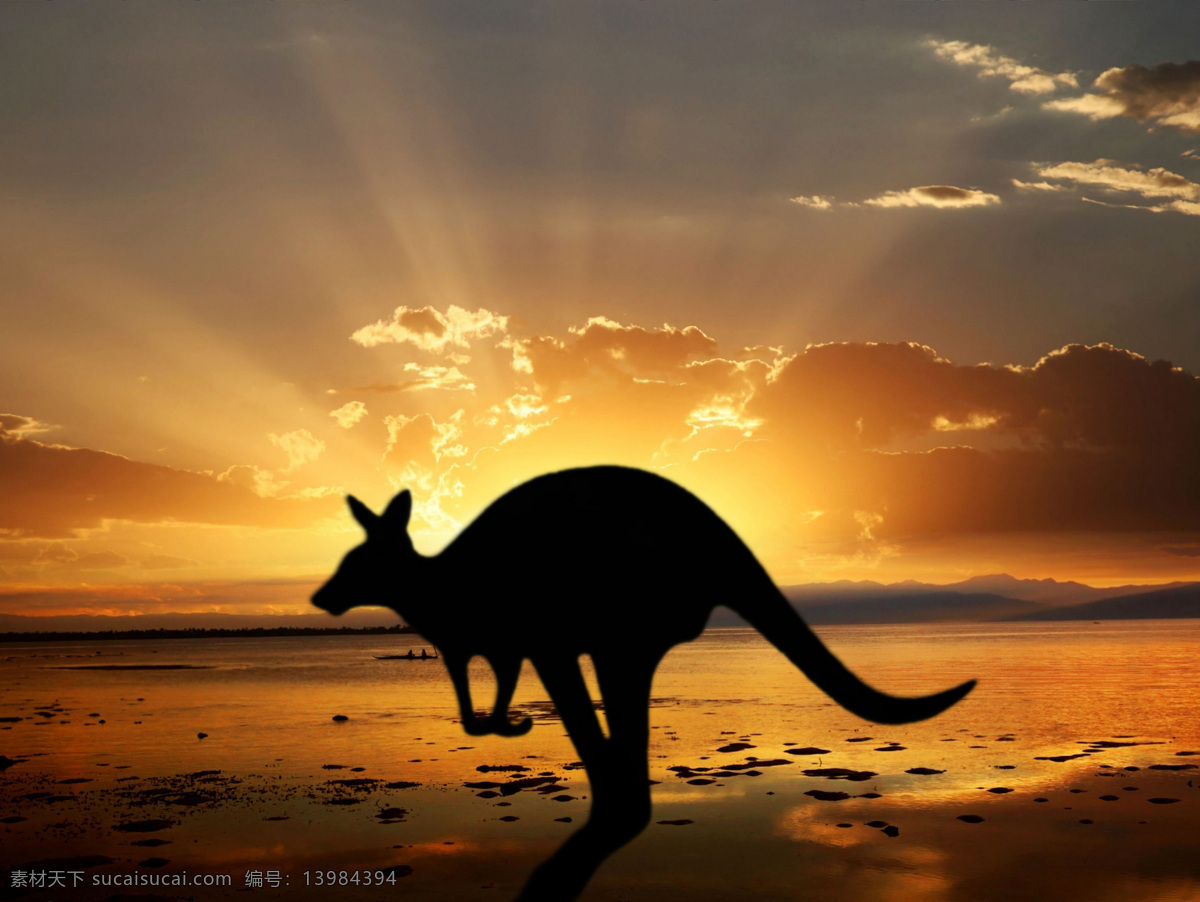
column 273, row 736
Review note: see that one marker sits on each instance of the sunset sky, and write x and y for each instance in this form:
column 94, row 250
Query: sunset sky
column 902, row 291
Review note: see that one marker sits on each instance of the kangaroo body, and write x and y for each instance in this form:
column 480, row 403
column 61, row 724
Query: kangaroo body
column 616, row 563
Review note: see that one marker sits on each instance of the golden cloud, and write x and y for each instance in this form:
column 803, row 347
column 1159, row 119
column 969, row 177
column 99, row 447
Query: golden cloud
column 1146, row 183
column 300, row 446
column 349, row 414
column 993, row 64
column 432, row 330
column 941, row 196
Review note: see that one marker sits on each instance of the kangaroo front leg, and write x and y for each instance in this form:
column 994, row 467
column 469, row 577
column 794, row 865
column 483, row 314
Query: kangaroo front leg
column 457, row 667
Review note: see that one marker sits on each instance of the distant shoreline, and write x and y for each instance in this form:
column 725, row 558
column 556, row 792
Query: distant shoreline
column 200, row 633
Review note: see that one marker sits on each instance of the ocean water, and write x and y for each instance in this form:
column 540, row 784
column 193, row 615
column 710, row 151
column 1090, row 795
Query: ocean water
column 113, row 780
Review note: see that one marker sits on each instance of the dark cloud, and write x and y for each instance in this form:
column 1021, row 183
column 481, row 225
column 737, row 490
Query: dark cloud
column 51, row 490
column 1168, row 93
column 1098, row 439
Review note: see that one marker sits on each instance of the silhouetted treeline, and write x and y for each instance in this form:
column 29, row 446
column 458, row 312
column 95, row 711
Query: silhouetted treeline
column 199, row 633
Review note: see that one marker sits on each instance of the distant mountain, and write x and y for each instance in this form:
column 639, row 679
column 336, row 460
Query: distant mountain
column 1174, row 602
column 978, row 599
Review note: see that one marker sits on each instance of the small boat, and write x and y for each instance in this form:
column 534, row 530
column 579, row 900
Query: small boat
column 408, row 657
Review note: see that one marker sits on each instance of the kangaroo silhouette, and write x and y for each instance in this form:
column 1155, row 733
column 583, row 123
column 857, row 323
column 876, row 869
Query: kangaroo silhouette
column 613, row 562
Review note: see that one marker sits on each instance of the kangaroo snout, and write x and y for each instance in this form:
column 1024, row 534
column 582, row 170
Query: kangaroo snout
column 326, row 601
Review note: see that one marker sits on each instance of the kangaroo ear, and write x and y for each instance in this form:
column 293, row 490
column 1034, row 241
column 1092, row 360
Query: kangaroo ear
column 366, row 517
column 398, row 511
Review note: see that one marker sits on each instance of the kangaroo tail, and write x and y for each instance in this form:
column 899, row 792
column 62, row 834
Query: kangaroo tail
column 784, row 628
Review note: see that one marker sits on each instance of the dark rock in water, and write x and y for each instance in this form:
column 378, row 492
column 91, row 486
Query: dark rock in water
column 1173, row 766
column 755, row 763
column 923, row 771
column 393, row 814
column 400, row 784
column 735, row 747
column 1177, row 754
column 841, row 773
column 1162, row 801
column 682, row 822
column 484, row 768
column 891, row 748
column 15, row 819
column 1041, row 800
column 999, row 790
column 701, row 781
column 6, row 762
column 827, row 796
column 868, row 795
column 808, row 750
column 970, row 818
column 276, row 817
column 564, row 798
column 1085, row 821
column 400, row 870
column 1060, row 757
column 483, row 784
column 343, row 801
column 488, row 794
column 1109, row 798
column 844, row 825
column 1131, row 768
column 563, row 820
column 877, row 824
column 516, row 786
column 334, row 766
column 201, row 735
column 340, row 718
column 891, row 831
column 510, row 818
column 153, row 863
column 859, row 739
column 150, row 826
column 1005, row 766
column 151, row 843
column 1076, row 791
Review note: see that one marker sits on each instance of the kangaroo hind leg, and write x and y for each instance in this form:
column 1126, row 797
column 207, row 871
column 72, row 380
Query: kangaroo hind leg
column 507, row 669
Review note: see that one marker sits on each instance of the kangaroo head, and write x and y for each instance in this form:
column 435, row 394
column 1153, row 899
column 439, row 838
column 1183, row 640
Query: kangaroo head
column 367, row 573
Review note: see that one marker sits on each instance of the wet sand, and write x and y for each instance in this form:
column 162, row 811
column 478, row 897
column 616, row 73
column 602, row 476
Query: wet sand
column 764, row 789
column 841, row 816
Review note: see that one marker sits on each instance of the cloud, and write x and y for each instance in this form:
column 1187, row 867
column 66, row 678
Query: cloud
column 432, row 330
column 445, row 378
column 1157, row 182
column 1167, row 94
column 941, row 196
column 607, row 348
column 1089, row 438
column 1037, row 186
column 349, row 414
column 300, row 446
column 817, row 202
column 1146, row 183
column 16, row 426
column 53, row 490
column 992, row 64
